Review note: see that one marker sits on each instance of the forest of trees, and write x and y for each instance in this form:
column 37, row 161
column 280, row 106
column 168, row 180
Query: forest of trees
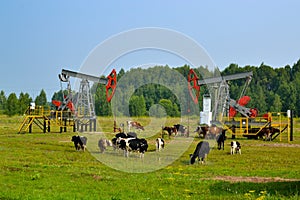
column 271, row 90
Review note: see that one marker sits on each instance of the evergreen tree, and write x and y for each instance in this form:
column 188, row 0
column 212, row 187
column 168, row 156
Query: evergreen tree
column 24, row 101
column 41, row 99
column 2, row 101
column 276, row 105
column 12, row 106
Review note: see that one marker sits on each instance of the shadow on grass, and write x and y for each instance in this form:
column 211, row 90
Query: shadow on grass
column 278, row 189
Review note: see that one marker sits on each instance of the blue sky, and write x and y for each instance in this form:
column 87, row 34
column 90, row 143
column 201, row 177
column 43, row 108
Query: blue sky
column 39, row 38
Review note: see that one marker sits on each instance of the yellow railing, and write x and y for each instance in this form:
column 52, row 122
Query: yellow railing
column 242, row 124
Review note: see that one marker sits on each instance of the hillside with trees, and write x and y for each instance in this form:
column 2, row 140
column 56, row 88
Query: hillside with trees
column 271, row 90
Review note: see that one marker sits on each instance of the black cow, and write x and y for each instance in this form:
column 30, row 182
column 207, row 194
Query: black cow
column 134, row 144
column 79, row 142
column 221, row 139
column 200, row 152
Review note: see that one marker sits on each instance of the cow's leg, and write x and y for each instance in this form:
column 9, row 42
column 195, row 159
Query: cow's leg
column 142, row 155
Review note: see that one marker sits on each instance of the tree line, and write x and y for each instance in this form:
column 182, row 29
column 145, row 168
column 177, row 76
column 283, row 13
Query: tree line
column 13, row 105
column 156, row 91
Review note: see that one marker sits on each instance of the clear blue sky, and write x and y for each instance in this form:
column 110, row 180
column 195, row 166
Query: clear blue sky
column 39, row 38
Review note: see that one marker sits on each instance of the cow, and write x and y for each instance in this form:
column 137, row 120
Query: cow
column 134, row 144
column 79, row 142
column 235, row 148
column 120, row 136
column 181, row 129
column 134, row 124
column 103, row 144
column 170, row 130
column 200, row 152
column 221, row 139
column 160, row 144
column 213, row 131
column 202, row 131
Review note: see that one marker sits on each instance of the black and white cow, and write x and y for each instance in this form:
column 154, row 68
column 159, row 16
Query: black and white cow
column 134, row 144
column 235, row 148
column 121, row 136
column 103, row 144
column 200, row 152
column 79, row 142
column 160, row 144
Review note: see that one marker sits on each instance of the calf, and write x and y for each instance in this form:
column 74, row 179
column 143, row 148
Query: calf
column 200, row 152
column 103, row 144
column 160, row 144
column 79, row 142
column 235, row 148
column 134, row 144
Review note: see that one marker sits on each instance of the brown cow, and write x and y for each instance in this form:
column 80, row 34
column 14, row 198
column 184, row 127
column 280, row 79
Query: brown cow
column 134, row 124
column 202, row 131
column 170, row 130
column 213, row 131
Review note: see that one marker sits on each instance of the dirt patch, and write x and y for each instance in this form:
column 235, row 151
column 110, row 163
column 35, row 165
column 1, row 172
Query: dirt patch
column 235, row 179
column 277, row 145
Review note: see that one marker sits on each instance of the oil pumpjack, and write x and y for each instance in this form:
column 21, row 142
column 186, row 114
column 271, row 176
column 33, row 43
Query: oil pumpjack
column 81, row 104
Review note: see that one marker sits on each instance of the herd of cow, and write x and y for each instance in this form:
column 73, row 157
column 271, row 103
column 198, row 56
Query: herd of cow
column 129, row 142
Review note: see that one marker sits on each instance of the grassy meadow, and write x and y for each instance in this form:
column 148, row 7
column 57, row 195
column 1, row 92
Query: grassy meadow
column 46, row 166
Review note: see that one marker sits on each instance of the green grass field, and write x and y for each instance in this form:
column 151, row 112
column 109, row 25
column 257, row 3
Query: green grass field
column 46, row 166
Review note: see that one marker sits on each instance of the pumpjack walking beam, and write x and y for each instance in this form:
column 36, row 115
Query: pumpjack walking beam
column 68, row 73
column 225, row 78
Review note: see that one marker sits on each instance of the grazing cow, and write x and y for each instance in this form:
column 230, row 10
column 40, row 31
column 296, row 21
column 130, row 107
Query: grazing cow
column 235, row 148
column 160, row 144
column 134, row 144
column 200, row 152
column 221, row 139
column 134, row 124
column 181, row 129
column 79, row 142
column 170, row 130
column 103, row 144
column 202, row 131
